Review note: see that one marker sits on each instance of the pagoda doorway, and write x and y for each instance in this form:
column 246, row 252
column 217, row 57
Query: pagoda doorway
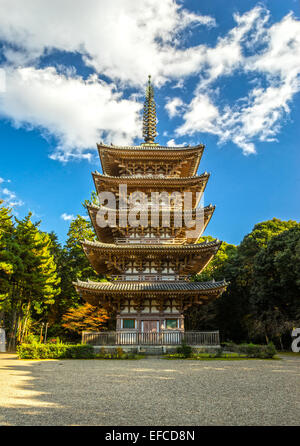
column 151, row 326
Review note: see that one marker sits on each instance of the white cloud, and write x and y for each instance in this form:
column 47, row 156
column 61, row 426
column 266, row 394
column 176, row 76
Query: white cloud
column 172, row 143
column 2, row 180
column 123, row 40
column 67, row 217
column 261, row 113
column 70, row 217
column 201, row 114
column 78, row 113
column 173, row 106
column 9, row 197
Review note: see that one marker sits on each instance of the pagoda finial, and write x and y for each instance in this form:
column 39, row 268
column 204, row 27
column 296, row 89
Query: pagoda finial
column 149, row 121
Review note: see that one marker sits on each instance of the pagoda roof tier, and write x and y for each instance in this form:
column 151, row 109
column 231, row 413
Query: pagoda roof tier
column 149, row 147
column 111, row 258
column 148, row 184
column 179, row 161
column 113, row 294
column 109, row 234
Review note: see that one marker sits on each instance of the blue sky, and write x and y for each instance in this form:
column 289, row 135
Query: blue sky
column 226, row 74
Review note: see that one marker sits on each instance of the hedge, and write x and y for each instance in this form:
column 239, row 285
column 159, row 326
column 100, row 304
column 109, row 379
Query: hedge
column 252, row 350
column 55, row 351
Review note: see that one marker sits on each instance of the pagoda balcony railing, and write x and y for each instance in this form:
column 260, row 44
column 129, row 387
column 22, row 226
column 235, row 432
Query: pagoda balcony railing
column 149, row 241
column 166, row 337
column 149, row 277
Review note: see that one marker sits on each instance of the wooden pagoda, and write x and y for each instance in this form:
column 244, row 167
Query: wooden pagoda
column 149, row 268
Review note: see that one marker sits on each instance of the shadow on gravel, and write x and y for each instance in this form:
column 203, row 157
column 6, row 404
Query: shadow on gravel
column 148, row 392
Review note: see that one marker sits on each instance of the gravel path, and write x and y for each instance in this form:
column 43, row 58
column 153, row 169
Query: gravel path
column 149, row 392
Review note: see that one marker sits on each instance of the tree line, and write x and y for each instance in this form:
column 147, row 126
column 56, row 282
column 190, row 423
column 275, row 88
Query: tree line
column 38, row 299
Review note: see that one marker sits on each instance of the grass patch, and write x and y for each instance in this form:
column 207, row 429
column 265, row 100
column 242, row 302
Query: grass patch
column 233, row 352
column 207, row 357
column 292, row 354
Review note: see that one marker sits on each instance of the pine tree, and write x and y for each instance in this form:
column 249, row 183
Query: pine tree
column 7, row 259
column 34, row 283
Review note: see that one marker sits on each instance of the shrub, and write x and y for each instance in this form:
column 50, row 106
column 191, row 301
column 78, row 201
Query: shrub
column 252, row 350
column 55, row 351
column 184, row 350
column 119, row 352
column 218, row 353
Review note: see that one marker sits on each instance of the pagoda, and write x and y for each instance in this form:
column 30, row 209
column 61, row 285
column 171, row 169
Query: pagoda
column 149, row 268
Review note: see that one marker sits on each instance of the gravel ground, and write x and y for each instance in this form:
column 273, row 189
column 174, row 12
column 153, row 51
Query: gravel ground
column 149, row 392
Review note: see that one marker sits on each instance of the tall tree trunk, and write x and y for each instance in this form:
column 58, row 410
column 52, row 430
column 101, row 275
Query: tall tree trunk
column 281, row 344
column 24, row 327
column 267, row 339
column 12, row 337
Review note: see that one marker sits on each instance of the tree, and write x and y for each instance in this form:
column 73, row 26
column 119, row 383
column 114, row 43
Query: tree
column 236, row 308
column 216, row 267
column 72, row 265
column 275, row 293
column 85, row 317
column 7, row 260
column 206, row 317
column 34, row 283
column 75, row 263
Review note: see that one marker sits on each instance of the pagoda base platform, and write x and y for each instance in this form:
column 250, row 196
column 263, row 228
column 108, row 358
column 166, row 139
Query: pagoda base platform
column 134, row 340
column 155, row 350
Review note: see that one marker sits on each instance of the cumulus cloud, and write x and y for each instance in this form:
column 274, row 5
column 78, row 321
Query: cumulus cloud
column 261, row 113
column 67, row 217
column 173, row 106
column 8, row 197
column 201, row 114
column 78, row 113
column 172, row 143
column 122, row 40
column 70, row 217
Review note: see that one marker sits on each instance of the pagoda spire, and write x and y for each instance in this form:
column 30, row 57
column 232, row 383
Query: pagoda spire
column 149, row 120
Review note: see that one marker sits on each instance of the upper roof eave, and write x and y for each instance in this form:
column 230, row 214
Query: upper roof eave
column 141, row 247
column 151, row 286
column 149, row 148
column 152, row 178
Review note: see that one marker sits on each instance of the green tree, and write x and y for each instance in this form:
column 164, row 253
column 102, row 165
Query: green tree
column 7, row 259
column 206, row 317
column 34, row 283
column 275, row 292
column 72, row 265
column 235, row 304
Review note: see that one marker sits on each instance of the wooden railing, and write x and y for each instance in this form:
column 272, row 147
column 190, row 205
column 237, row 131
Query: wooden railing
column 150, row 241
column 148, row 277
column 173, row 337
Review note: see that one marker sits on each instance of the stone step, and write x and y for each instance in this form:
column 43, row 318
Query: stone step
column 151, row 350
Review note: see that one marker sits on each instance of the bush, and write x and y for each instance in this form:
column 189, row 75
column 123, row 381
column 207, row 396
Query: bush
column 185, row 350
column 252, row 350
column 55, row 351
column 119, row 352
